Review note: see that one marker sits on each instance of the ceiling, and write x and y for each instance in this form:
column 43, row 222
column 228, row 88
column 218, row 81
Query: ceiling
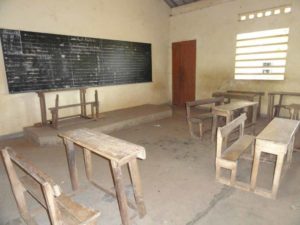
column 175, row 3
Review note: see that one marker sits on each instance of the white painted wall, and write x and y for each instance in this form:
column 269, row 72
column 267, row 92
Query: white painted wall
column 130, row 20
column 214, row 24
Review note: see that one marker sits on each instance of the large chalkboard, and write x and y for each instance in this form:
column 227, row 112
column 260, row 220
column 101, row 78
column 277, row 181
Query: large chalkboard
column 40, row 61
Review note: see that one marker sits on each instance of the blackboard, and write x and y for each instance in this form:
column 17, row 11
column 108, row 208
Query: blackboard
column 40, row 61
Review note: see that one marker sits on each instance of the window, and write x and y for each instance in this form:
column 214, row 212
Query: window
column 265, row 13
column 261, row 55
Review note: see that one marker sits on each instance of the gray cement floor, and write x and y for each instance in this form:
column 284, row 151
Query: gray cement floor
column 178, row 179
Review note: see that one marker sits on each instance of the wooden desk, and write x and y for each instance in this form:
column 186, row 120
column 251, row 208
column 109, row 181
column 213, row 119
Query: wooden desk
column 227, row 112
column 278, row 139
column 118, row 152
column 271, row 99
column 242, row 95
column 294, row 111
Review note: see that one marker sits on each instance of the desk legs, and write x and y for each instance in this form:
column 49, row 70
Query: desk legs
column 214, row 127
column 72, row 163
column 137, row 187
column 122, row 200
column 270, row 107
column 88, row 163
column 255, row 168
column 277, row 174
column 254, row 117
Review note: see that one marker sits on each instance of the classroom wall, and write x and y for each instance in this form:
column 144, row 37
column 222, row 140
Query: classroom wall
column 130, row 20
column 214, row 24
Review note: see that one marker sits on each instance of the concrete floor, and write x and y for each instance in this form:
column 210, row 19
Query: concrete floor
column 178, row 179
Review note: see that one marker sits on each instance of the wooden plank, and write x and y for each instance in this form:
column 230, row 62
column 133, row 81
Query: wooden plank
column 279, row 130
column 70, row 106
column 88, row 163
column 284, row 93
column 17, row 188
column 109, row 147
column 234, row 152
column 234, row 106
column 122, row 201
column 261, row 93
column 137, row 187
column 72, row 163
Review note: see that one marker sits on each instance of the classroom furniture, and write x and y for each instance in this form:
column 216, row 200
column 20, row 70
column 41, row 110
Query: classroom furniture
column 227, row 111
column 227, row 156
column 197, row 112
column 60, row 208
column 253, row 96
column 274, row 109
column 83, row 104
column 294, row 111
column 54, row 110
column 119, row 153
column 277, row 138
column 258, row 95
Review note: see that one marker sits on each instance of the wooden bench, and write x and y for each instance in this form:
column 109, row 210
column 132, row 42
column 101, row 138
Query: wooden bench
column 227, row 156
column 196, row 113
column 94, row 109
column 274, row 109
column 62, row 210
column 119, row 153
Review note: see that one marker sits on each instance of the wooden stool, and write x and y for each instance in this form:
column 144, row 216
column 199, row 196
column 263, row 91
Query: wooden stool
column 119, row 153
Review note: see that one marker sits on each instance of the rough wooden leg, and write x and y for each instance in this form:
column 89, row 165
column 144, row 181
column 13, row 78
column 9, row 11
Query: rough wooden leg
column 254, row 115
column 233, row 175
column 259, row 106
column 52, row 207
column 255, row 169
column 218, row 171
column 228, row 119
column 137, row 187
column 97, row 104
column 88, row 163
column 270, row 107
column 292, row 114
column 277, row 110
column 43, row 108
column 253, row 148
column 214, row 127
column 122, row 201
column 72, row 163
column 201, row 129
column 277, row 174
column 17, row 189
column 290, row 151
column 191, row 129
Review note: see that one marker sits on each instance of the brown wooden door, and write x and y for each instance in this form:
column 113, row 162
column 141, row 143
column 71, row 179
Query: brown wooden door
column 183, row 70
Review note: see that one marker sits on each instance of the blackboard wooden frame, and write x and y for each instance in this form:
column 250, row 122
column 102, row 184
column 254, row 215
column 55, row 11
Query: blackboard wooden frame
column 45, row 62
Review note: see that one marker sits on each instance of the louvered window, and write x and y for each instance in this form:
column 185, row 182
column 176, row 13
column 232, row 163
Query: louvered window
column 261, row 55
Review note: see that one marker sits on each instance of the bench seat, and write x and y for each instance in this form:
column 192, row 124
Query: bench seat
column 238, row 148
column 71, row 212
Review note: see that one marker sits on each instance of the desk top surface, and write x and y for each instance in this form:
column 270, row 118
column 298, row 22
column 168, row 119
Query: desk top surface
column 284, row 93
column 279, row 130
column 247, row 92
column 293, row 106
column 234, row 94
column 234, row 105
column 107, row 146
